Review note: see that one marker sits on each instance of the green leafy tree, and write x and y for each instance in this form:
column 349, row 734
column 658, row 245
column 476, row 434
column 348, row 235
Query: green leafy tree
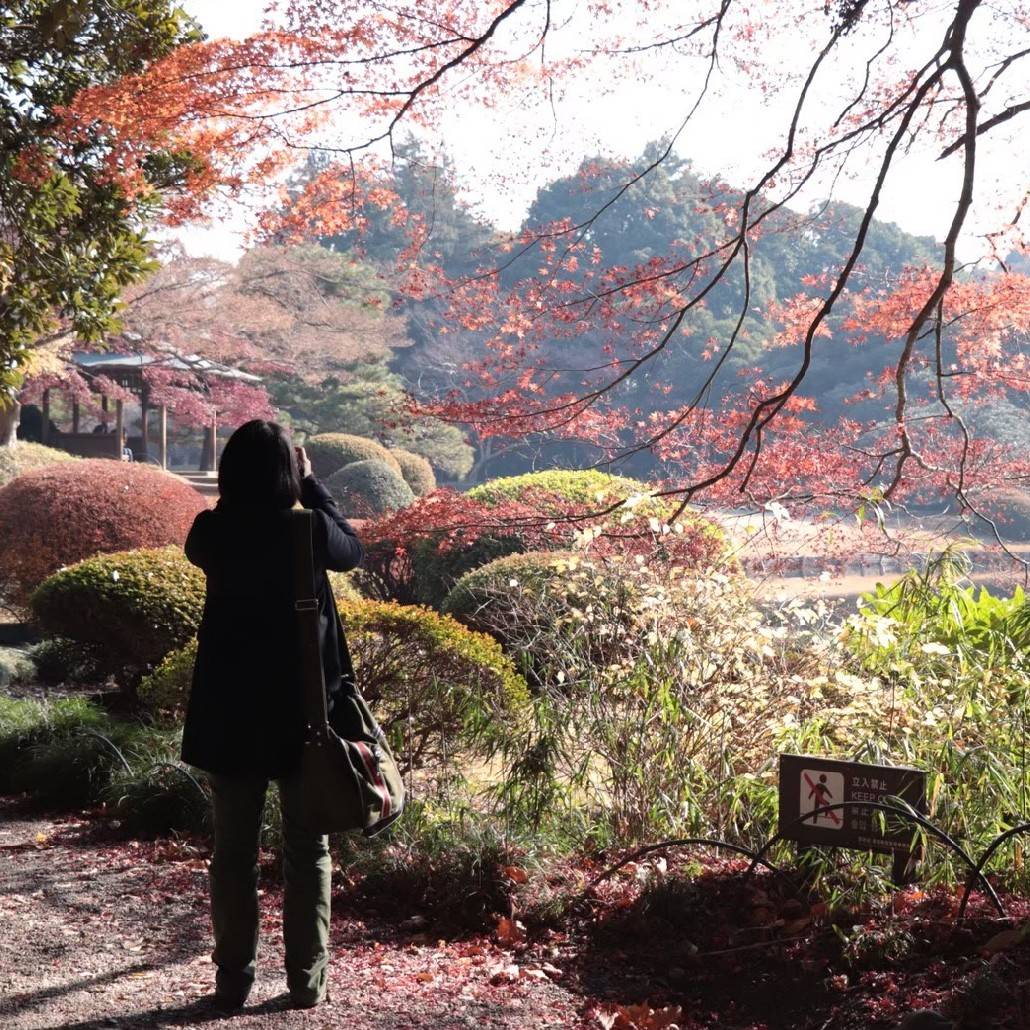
column 446, row 231
column 70, row 237
column 370, row 401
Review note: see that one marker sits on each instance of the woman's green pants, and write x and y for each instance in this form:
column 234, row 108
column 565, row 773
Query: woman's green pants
column 238, row 805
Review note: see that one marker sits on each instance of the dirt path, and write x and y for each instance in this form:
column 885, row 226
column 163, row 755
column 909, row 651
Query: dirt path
column 116, row 935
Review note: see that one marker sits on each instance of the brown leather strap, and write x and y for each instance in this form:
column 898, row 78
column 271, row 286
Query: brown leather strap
column 305, row 604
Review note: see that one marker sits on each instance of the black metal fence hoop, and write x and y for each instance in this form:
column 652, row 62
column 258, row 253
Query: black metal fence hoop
column 976, row 872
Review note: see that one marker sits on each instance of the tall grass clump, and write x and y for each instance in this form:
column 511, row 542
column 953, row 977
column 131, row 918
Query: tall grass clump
column 154, row 793
column 69, row 753
column 951, row 669
column 61, row 751
column 673, row 732
column 450, row 862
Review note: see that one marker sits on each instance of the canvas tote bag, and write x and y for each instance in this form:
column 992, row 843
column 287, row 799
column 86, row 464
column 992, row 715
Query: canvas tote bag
column 345, row 784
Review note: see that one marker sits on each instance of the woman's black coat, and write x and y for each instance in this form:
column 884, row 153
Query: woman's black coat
column 245, row 710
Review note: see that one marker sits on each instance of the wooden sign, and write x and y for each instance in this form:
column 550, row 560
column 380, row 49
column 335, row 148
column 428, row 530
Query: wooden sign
column 808, row 783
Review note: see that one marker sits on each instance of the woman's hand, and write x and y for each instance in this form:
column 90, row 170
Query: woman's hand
column 303, row 462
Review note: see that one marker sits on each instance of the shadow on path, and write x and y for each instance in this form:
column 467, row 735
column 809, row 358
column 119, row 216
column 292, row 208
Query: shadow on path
column 13, row 1004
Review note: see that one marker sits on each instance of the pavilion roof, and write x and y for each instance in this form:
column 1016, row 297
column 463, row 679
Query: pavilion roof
column 110, row 362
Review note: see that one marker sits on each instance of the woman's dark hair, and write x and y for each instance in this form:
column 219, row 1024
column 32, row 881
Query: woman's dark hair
column 258, row 466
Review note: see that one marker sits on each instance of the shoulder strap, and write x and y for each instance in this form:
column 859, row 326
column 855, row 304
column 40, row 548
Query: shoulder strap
column 305, row 604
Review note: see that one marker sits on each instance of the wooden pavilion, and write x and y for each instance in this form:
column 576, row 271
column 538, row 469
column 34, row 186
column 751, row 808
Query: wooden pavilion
column 127, row 370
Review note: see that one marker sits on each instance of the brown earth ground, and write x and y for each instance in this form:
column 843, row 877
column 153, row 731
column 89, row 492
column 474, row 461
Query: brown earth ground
column 101, row 933
column 116, row 935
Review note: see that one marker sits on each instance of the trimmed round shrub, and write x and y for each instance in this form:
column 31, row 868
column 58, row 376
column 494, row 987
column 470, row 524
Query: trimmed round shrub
column 60, row 514
column 329, row 452
column 435, row 570
column 638, row 528
column 581, row 487
column 134, row 606
column 416, row 470
column 25, row 455
column 369, row 488
column 436, row 686
column 58, row 660
column 536, row 573
column 166, row 689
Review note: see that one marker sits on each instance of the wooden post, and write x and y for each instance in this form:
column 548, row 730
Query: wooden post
column 214, row 443
column 44, row 432
column 75, row 416
column 144, row 408
column 119, row 428
column 163, row 437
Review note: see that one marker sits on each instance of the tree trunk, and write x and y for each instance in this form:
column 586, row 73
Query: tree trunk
column 163, row 437
column 10, row 412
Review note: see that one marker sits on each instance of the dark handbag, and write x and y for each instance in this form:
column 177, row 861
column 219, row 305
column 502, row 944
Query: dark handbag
column 346, row 784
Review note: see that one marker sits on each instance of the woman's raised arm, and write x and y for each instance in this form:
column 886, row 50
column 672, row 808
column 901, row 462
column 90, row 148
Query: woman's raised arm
column 343, row 550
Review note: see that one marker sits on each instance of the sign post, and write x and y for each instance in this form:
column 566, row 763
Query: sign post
column 808, row 783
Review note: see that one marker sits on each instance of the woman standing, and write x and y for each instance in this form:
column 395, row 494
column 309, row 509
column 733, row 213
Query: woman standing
column 245, row 722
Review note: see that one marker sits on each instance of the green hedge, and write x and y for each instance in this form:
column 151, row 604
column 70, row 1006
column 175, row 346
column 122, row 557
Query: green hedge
column 329, row 452
column 533, row 572
column 435, row 571
column 68, row 661
column 696, row 543
column 136, row 606
column 436, row 687
column 345, row 587
column 416, row 470
column 166, row 690
column 365, row 489
column 577, row 486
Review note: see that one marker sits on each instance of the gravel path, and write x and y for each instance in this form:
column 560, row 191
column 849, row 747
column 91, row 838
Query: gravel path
column 116, row 935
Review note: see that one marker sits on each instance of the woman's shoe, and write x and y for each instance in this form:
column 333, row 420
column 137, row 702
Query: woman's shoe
column 230, row 992
column 308, row 1001
column 224, row 1001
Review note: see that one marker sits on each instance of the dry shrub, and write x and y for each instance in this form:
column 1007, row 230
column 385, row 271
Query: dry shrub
column 25, row 455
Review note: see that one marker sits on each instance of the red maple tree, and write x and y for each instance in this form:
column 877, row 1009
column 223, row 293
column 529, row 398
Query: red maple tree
column 873, row 83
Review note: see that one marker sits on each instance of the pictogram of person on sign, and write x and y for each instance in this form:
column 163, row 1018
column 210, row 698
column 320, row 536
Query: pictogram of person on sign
column 820, row 795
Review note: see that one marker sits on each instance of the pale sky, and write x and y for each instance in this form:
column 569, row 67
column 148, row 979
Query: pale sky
column 728, row 137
